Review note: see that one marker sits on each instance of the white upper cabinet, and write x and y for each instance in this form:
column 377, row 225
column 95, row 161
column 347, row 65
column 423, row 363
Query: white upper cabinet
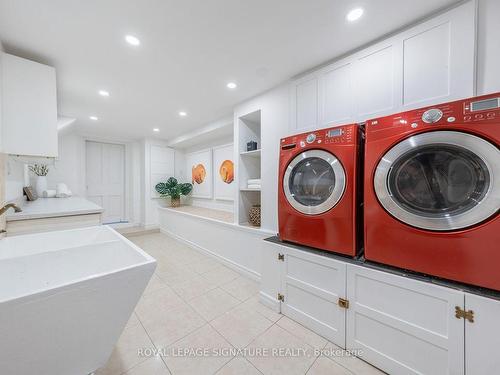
column 438, row 58
column 430, row 63
column 375, row 77
column 336, row 94
column 304, row 96
column 427, row 77
column 29, row 107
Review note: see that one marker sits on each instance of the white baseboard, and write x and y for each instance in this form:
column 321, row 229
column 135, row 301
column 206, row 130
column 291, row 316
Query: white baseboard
column 233, row 265
column 269, row 301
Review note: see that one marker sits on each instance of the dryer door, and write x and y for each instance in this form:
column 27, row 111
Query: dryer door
column 440, row 180
column 314, row 182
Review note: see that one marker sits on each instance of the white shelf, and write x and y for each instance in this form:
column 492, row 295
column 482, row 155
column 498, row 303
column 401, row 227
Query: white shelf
column 249, row 163
column 253, row 154
column 249, row 226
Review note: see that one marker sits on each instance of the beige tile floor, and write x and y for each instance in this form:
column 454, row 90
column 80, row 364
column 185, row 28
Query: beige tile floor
column 196, row 306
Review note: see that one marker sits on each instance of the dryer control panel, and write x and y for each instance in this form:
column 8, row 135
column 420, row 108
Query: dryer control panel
column 340, row 135
column 479, row 110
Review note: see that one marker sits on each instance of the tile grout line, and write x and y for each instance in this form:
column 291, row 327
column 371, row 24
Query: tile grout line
column 241, row 302
column 155, row 346
column 208, row 322
column 173, row 343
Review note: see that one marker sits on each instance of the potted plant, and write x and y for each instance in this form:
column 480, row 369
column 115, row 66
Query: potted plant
column 40, row 170
column 174, row 190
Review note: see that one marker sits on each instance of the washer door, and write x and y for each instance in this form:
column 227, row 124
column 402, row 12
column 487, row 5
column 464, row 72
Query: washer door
column 440, row 180
column 314, row 182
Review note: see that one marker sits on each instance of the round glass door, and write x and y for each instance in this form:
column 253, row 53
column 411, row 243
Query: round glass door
column 440, row 180
column 314, row 182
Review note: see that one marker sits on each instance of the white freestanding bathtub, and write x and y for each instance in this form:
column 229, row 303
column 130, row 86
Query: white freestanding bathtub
column 65, row 298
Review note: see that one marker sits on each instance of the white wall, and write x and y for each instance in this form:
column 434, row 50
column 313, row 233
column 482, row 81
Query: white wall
column 183, row 174
column 1, row 50
column 70, row 168
column 488, row 51
column 149, row 205
column 275, row 114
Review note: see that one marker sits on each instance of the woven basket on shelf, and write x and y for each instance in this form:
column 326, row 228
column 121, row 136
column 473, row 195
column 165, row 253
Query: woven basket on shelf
column 254, row 215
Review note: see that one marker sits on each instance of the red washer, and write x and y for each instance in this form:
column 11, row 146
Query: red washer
column 432, row 191
column 317, row 189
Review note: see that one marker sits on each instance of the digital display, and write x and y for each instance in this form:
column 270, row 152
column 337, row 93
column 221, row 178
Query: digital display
column 334, row 133
column 484, row 105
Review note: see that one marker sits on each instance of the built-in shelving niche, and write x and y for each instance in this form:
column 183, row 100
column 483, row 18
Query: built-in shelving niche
column 249, row 128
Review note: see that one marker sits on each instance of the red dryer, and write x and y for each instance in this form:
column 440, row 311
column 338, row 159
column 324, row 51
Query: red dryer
column 317, row 199
column 432, row 191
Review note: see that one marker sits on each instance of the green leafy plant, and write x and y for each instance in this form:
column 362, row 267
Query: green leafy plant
column 173, row 189
column 39, row 169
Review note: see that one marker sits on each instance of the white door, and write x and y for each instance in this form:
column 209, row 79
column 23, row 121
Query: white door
column 404, row 326
column 482, row 338
column 311, row 288
column 106, row 179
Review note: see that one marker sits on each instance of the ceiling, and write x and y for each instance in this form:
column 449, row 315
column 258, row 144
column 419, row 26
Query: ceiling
column 189, row 50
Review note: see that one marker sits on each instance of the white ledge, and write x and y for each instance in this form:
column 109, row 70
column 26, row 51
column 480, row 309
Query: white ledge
column 215, row 216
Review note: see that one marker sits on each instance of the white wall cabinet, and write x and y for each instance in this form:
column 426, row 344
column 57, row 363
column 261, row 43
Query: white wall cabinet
column 401, row 325
column 304, row 97
column 430, row 63
column 29, row 108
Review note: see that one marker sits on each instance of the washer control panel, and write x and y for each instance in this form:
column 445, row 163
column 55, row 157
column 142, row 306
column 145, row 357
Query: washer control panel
column 480, row 110
column 342, row 135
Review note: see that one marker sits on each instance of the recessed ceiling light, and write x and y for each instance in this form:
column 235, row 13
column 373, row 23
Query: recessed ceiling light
column 103, row 93
column 132, row 40
column 231, row 85
column 354, row 14
column 94, row 118
column 182, row 114
column 156, row 130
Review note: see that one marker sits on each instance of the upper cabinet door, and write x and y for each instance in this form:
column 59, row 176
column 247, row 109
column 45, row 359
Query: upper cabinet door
column 335, row 92
column 304, row 103
column 438, row 59
column 376, row 80
column 29, row 107
column 481, row 336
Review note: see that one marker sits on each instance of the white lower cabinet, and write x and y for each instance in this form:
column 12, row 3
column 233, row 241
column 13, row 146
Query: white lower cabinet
column 270, row 278
column 482, row 335
column 399, row 324
column 312, row 287
column 404, row 326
